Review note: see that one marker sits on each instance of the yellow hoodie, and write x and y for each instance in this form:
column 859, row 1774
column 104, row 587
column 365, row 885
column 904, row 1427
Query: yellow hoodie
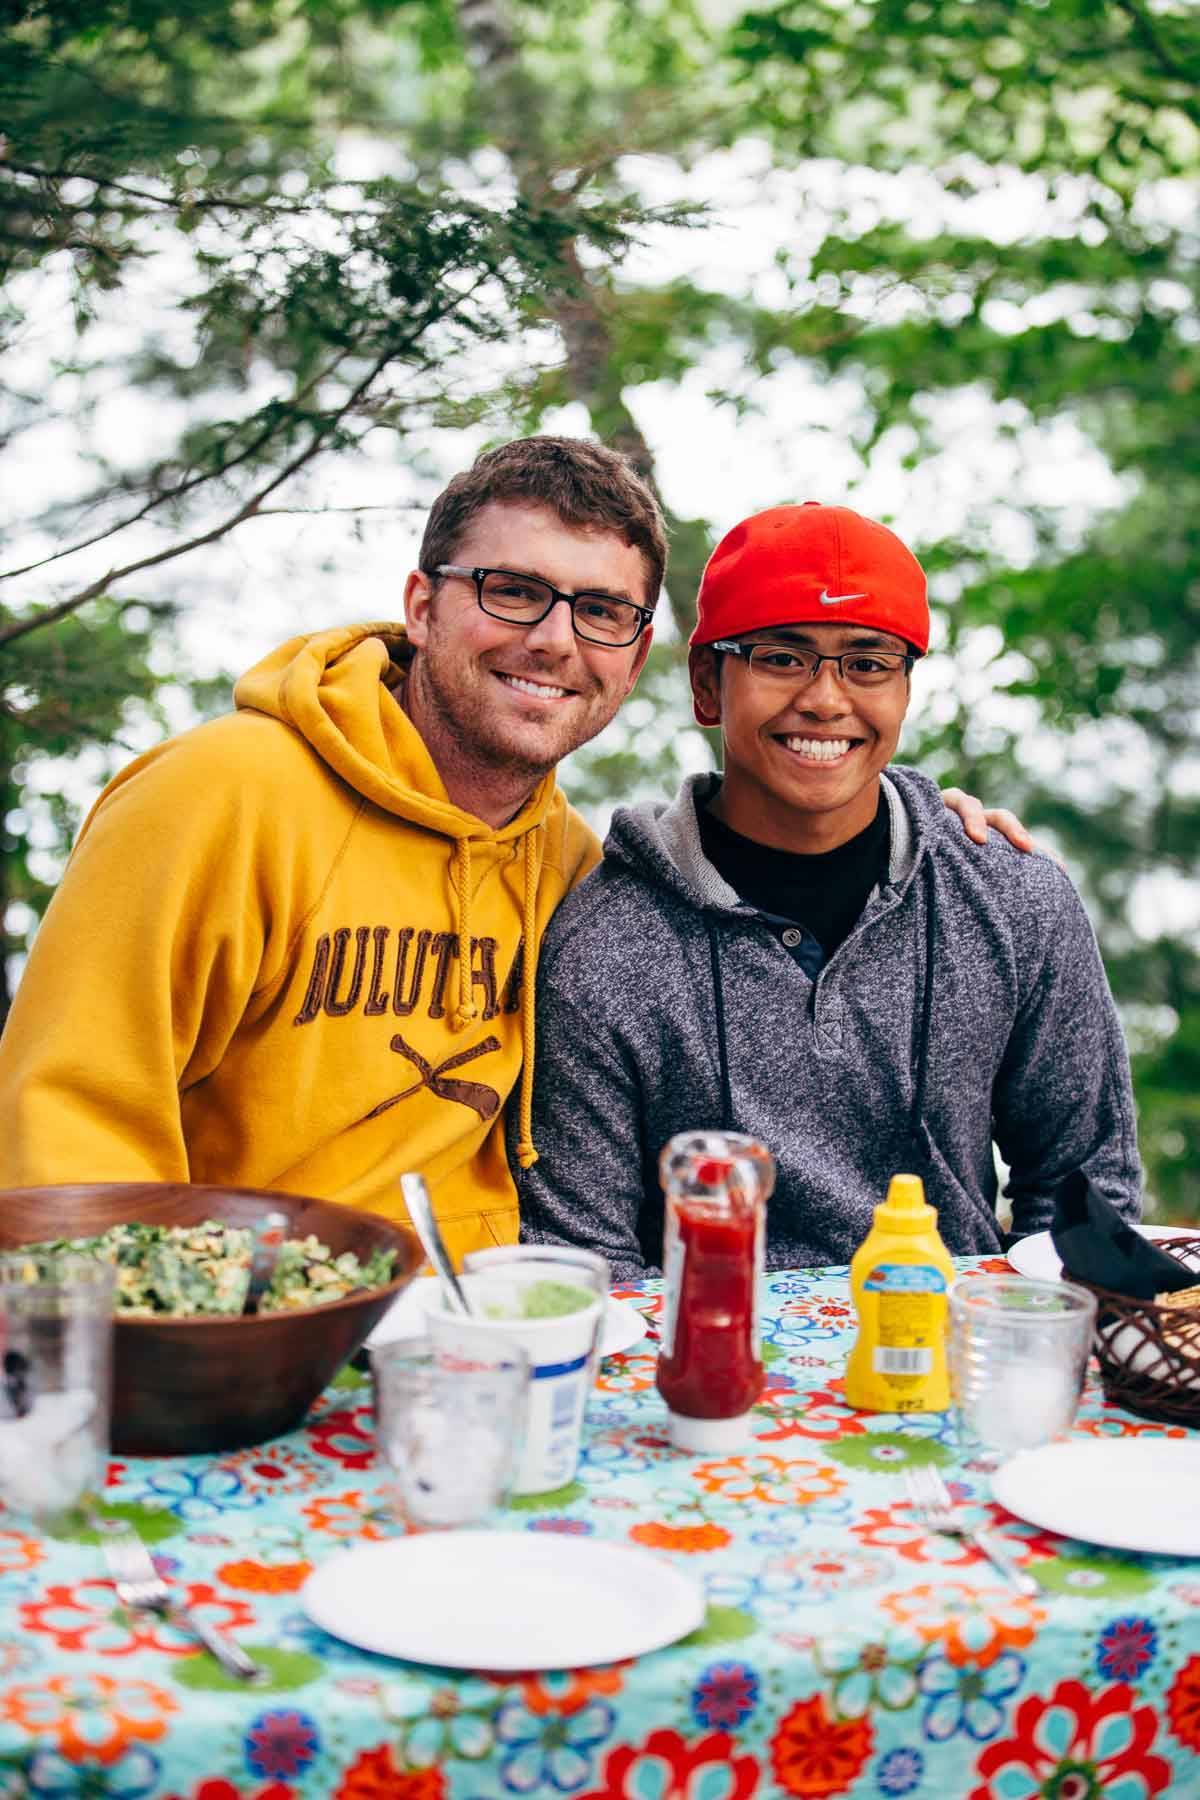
column 281, row 958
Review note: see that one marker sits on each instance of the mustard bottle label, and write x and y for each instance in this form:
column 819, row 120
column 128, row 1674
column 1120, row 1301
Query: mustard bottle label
column 910, row 1319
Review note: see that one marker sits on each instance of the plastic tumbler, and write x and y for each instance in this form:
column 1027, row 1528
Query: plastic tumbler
column 1018, row 1355
column 56, row 1336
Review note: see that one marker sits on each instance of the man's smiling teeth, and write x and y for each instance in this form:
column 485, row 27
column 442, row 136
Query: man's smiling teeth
column 541, row 690
column 819, row 749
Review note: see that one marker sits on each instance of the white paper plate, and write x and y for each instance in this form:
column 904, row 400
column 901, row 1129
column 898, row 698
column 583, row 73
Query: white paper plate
column 1036, row 1255
column 624, row 1325
column 1127, row 1493
column 503, row 1600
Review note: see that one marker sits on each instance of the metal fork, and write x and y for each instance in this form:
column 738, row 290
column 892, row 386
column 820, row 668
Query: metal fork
column 139, row 1585
column 934, row 1506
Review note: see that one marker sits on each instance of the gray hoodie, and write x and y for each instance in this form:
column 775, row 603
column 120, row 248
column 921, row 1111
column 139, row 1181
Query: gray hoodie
column 968, row 1005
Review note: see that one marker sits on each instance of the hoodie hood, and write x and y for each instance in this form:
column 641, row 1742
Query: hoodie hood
column 660, row 840
column 340, row 690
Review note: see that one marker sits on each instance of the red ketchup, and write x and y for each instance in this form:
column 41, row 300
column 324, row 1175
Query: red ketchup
column 710, row 1370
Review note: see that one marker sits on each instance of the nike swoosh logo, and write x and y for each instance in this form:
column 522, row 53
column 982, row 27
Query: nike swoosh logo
column 837, row 599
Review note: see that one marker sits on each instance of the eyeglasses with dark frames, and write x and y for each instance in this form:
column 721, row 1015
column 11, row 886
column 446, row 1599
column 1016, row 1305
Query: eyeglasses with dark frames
column 784, row 663
column 526, row 600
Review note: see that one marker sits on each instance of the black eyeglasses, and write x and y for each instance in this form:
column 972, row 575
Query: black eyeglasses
column 526, row 599
column 784, row 663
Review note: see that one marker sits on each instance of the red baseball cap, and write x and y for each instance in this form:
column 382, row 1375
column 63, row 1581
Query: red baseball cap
column 812, row 564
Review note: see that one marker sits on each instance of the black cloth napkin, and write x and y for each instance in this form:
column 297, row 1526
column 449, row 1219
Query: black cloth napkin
column 1098, row 1245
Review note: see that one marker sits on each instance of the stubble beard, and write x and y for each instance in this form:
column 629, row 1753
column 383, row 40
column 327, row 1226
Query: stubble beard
column 467, row 731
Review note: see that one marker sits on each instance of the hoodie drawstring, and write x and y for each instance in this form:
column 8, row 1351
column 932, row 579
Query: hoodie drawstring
column 467, row 1009
column 526, row 1154
column 714, row 954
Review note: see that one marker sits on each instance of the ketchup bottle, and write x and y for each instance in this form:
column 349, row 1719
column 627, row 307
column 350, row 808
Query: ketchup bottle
column 710, row 1371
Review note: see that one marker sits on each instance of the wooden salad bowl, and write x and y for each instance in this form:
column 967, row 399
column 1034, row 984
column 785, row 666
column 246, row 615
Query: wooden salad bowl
column 204, row 1384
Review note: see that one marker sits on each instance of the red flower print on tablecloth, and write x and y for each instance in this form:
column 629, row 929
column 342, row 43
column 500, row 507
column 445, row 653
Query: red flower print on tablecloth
column 665, row 1764
column 276, row 1470
column 1076, row 1745
column 19, row 1553
column 1021, row 1539
column 894, row 1528
column 90, row 1617
column 563, row 1690
column 90, row 1717
column 343, row 1435
column 375, row 1775
column 993, row 1265
column 656, row 1534
column 354, row 1514
column 1183, row 1704
column 216, row 1788
column 821, row 1414
column 775, row 1480
column 250, row 1577
column 971, row 1625
column 815, row 1756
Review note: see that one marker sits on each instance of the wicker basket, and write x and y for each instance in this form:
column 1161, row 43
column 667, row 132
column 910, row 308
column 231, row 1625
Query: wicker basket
column 1149, row 1354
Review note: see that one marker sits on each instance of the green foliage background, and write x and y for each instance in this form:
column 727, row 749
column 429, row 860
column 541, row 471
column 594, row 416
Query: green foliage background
column 484, row 279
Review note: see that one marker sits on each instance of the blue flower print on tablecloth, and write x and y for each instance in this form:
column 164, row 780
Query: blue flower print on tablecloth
column 50, row 1776
column 1126, row 1649
column 725, row 1696
column 280, row 1745
column 899, row 1772
column 562, row 1525
column 789, row 1285
column 799, row 1578
column 296, row 1632
column 550, row 1752
column 964, row 1697
column 204, row 1492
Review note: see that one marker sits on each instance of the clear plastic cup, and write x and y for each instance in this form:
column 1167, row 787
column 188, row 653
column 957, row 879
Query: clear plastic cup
column 56, row 1337
column 1018, row 1355
column 448, row 1427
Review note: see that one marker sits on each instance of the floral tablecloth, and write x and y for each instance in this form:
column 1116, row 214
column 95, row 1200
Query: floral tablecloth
column 845, row 1652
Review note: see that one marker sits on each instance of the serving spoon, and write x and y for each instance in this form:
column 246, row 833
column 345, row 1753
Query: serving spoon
column 420, row 1211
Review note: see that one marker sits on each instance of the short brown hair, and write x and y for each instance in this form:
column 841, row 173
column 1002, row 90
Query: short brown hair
column 585, row 483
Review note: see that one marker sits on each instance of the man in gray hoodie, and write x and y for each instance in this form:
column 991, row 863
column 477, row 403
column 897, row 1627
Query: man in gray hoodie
column 805, row 948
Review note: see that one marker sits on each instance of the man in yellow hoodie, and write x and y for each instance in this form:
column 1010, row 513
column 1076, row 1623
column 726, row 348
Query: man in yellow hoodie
column 294, row 948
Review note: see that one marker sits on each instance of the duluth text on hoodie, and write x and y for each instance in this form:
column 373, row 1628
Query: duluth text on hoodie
column 968, row 1005
column 281, row 958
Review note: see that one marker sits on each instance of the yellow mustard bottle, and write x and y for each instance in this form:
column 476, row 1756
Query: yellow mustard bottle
column 900, row 1277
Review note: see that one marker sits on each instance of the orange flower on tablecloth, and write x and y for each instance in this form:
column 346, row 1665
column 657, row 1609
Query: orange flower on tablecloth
column 562, row 1691
column 894, row 1528
column 88, row 1616
column 993, row 1265
column 822, row 1414
column 374, row 1775
column 1077, row 1742
column 350, row 1515
column 627, row 1374
column 19, row 1553
column 1183, row 1704
column 1116, row 1425
column 264, row 1578
column 690, row 1538
column 673, row 1762
column 776, row 1480
column 90, row 1717
column 814, row 1756
column 972, row 1625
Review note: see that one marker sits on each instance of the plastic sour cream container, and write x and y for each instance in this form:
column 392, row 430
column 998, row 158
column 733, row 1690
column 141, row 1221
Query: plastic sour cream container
column 513, row 1305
